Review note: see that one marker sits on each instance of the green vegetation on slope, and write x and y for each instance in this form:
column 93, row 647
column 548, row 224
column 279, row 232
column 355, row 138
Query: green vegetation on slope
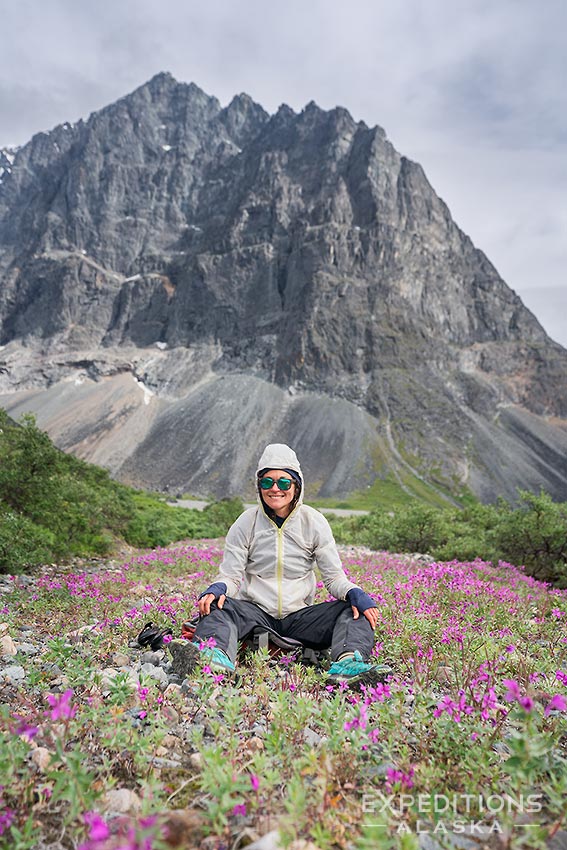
column 533, row 534
column 387, row 493
column 54, row 506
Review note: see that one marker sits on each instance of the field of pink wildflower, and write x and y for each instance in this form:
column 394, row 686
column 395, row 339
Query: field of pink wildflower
column 98, row 751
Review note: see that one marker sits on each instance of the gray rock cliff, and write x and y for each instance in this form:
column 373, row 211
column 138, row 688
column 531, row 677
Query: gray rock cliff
column 181, row 283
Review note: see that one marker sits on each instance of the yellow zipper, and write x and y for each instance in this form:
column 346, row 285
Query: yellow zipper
column 279, row 570
column 279, row 560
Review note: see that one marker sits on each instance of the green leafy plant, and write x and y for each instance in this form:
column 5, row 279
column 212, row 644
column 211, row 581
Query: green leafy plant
column 532, row 533
column 535, row 535
column 474, row 711
column 54, row 506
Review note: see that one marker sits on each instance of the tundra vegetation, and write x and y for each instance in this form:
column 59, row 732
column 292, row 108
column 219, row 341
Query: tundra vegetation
column 99, row 751
column 54, row 507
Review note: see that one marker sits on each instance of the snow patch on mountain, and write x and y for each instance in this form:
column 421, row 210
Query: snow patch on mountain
column 7, row 157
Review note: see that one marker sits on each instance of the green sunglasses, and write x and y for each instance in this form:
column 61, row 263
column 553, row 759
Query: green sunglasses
column 282, row 483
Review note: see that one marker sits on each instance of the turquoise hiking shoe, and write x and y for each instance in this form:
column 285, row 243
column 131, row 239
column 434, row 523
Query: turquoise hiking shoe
column 354, row 669
column 186, row 655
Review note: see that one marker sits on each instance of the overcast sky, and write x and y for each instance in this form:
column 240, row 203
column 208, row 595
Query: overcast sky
column 474, row 90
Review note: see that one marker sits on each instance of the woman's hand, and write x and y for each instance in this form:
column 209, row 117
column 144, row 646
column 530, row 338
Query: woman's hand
column 206, row 601
column 216, row 590
column 371, row 615
column 362, row 603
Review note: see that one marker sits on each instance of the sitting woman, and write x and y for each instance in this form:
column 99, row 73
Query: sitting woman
column 267, row 579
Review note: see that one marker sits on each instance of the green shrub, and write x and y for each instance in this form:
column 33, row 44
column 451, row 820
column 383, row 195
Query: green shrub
column 468, row 534
column 416, row 528
column 22, row 543
column 376, row 531
column 534, row 535
column 348, row 530
column 54, row 506
column 80, row 506
column 222, row 514
column 419, row 528
column 155, row 523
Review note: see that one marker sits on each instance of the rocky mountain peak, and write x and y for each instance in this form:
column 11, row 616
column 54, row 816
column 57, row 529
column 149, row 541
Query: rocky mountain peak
column 285, row 114
column 293, row 272
column 243, row 119
column 164, row 80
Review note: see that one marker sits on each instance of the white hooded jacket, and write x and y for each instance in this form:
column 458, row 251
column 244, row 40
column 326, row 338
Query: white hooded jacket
column 275, row 567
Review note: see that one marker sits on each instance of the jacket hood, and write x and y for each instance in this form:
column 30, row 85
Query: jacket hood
column 280, row 456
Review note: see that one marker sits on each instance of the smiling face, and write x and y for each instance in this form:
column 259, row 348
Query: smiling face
column 278, row 500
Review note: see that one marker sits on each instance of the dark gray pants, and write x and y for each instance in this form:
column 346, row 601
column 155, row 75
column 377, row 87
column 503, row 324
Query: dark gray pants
column 329, row 624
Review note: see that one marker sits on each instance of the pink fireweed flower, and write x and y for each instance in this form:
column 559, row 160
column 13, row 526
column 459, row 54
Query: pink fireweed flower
column 98, row 828
column 239, row 809
column 254, row 782
column 453, row 709
column 513, row 690
column 6, row 819
column 359, row 722
column 60, row 706
column 376, row 693
column 556, row 703
column 489, row 703
column 446, row 704
column 209, row 643
column 25, row 730
column 527, row 703
column 398, row 777
column 462, row 706
column 561, row 677
column 167, row 638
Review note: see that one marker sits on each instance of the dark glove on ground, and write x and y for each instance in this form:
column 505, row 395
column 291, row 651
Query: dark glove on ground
column 360, row 599
column 217, row 589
